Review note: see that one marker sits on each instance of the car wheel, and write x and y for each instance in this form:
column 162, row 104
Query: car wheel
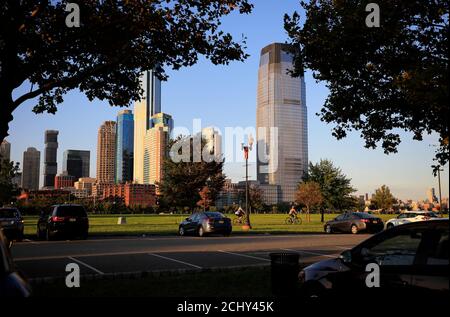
column 328, row 229
column 389, row 226
column 354, row 229
column 181, row 231
column 201, row 232
column 48, row 235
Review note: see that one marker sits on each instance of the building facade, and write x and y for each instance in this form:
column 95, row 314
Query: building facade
column 124, row 146
column 50, row 158
column 64, row 180
column 77, row 163
column 133, row 195
column 86, row 184
column 30, row 169
column 106, row 152
column 149, row 105
column 5, row 150
column 281, row 120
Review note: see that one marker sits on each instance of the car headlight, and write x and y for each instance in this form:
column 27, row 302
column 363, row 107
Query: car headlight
column 301, row 277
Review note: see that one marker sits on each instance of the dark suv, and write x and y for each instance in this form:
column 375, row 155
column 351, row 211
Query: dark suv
column 11, row 221
column 63, row 221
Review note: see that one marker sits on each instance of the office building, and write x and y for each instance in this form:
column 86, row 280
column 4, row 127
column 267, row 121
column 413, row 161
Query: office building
column 64, row 180
column 76, row 163
column 30, row 169
column 133, row 195
column 5, row 150
column 281, row 120
column 106, row 152
column 144, row 110
column 431, row 195
column 124, row 146
column 85, row 184
column 213, row 141
column 50, row 156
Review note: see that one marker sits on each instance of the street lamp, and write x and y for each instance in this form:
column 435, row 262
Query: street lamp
column 439, row 170
column 247, row 148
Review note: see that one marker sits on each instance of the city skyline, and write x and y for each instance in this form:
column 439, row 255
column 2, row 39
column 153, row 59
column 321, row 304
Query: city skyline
column 407, row 173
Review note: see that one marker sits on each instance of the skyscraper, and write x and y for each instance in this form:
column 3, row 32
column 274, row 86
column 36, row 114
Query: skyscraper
column 30, row 169
column 213, row 142
column 144, row 110
column 281, row 119
column 124, row 146
column 76, row 163
column 106, row 152
column 5, row 150
column 50, row 155
column 155, row 147
column 431, row 195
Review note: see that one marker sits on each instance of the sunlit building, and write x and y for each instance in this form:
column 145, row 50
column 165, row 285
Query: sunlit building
column 124, row 146
column 30, row 169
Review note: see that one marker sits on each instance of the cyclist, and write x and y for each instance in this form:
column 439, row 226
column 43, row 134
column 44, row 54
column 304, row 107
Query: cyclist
column 293, row 213
column 240, row 214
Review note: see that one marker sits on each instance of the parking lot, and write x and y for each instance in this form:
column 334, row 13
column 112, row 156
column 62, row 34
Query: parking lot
column 40, row 259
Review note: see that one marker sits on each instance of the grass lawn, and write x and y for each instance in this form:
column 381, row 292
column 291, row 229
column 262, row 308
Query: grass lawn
column 168, row 224
column 251, row 282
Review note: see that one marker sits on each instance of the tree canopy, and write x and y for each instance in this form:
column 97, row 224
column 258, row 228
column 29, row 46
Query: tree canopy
column 383, row 198
column 105, row 55
column 381, row 79
column 8, row 190
column 309, row 194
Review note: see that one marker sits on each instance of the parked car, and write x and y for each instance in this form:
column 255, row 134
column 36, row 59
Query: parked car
column 63, row 221
column 207, row 222
column 12, row 283
column 412, row 259
column 12, row 223
column 410, row 216
column 354, row 222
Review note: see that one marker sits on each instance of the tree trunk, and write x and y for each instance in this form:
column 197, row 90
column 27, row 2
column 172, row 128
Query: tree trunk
column 6, row 109
column 322, row 215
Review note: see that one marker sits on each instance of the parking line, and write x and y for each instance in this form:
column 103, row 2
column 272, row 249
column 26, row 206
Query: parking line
column 245, row 255
column 86, row 265
column 312, row 253
column 174, row 260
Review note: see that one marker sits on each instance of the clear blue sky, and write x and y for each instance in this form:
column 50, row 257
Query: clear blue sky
column 226, row 96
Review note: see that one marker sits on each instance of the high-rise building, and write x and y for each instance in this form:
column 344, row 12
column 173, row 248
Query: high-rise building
column 5, row 150
column 156, row 147
column 106, row 152
column 50, row 155
column 213, row 142
column 149, row 128
column 431, row 195
column 30, row 169
column 281, row 120
column 76, row 163
column 124, row 146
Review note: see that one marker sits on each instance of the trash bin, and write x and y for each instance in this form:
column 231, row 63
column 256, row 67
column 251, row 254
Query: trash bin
column 284, row 273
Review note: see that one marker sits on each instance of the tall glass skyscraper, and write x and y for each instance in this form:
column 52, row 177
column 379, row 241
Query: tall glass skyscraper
column 281, row 119
column 50, row 155
column 76, row 163
column 124, row 146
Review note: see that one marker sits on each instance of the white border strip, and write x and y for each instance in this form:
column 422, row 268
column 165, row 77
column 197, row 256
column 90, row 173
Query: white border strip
column 174, row 260
column 312, row 253
column 245, row 255
column 86, row 265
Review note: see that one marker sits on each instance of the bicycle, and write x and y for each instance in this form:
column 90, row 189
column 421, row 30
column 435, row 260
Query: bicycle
column 291, row 220
column 239, row 220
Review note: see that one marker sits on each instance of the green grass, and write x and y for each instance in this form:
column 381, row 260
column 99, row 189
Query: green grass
column 252, row 282
column 168, row 224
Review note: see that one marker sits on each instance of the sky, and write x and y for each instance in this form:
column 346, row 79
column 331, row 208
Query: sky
column 225, row 96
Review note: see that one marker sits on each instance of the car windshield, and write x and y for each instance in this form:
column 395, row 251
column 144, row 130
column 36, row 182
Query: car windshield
column 431, row 214
column 74, row 211
column 214, row 215
column 364, row 215
column 8, row 213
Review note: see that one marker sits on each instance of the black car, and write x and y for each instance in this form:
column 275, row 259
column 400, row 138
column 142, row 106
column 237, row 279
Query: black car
column 12, row 284
column 412, row 261
column 354, row 222
column 206, row 222
column 11, row 221
column 63, row 221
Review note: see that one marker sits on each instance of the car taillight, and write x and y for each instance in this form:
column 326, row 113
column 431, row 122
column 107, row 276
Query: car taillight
column 365, row 220
column 57, row 219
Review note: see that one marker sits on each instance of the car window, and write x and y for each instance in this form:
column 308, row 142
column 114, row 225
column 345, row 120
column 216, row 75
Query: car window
column 431, row 215
column 403, row 216
column 399, row 249
column 8, row 213
column 437, row 247
column 340, row 217
column 71, row 211
column 214, row 214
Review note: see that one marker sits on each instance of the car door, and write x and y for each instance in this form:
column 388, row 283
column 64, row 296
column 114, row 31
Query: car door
column 343, row 224
column 191, row 223
column 401, row 219
column 431, row 273
column 337, row 222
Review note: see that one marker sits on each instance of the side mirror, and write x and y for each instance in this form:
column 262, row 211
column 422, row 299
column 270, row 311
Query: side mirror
column 346, row 256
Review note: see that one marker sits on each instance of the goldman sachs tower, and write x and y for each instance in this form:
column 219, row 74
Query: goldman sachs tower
column 281, row 119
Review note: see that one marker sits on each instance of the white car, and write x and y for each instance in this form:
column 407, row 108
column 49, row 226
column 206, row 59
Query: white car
column 410, row 216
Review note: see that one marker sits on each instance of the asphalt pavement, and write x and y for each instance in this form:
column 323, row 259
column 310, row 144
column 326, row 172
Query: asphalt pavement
column 99, row 256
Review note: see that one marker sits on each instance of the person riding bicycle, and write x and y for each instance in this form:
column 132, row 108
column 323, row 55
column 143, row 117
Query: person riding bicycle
column 240, row 213
column 293, row 213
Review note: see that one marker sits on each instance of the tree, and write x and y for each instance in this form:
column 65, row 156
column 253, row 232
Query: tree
column 255, row 200
column 309, row 194
column 383, row 199
column 8, row 190
column 379, row 79
column 183, row 181
column 204, row 201
column 335, row 186
column 104, row 57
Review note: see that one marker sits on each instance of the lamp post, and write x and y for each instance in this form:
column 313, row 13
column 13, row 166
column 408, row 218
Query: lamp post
column 247, row 148
column 440, row 193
